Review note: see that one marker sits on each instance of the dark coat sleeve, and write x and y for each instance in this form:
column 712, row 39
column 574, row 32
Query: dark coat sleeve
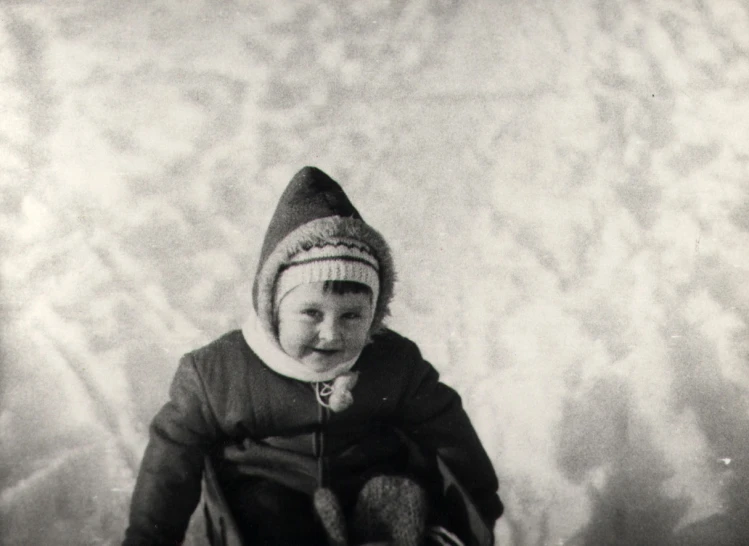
column 433, row 417
column 167, row 490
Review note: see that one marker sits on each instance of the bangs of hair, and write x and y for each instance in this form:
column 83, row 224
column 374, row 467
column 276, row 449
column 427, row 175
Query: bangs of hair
column 341, row 288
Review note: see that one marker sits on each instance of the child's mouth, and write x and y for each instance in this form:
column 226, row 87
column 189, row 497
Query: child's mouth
column 326, row 352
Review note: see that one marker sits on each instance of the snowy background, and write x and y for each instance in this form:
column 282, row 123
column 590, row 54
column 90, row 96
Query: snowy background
column 565, row 186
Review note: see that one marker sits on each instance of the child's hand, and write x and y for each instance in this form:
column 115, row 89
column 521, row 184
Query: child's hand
column 390, row 506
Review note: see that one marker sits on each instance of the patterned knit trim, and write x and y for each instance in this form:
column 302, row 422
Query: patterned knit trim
column 334, row 251
column 328, row 259
column 357, row 245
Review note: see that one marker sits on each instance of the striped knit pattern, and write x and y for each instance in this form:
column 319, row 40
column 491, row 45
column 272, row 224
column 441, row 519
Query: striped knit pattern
column 334, row 262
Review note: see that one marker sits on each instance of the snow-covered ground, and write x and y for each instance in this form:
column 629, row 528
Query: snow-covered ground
column 565, row 186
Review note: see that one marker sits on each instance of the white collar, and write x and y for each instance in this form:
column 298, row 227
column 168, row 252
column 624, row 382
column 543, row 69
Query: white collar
column 266, row 346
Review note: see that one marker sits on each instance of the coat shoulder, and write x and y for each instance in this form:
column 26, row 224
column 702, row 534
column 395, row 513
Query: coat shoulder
column 231, row 341
column 223, row 359
column 230, row 346
column 390, row 340
column 394, row 351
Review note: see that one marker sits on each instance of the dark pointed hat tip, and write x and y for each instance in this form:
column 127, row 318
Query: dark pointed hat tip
column 314, row 190
column 315, row 177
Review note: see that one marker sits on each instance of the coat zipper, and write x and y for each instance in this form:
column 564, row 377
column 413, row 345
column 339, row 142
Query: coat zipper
column 322, row 417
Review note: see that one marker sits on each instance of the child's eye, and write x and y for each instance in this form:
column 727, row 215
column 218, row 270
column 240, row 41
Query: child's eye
column 351, row 316
column 311, row 313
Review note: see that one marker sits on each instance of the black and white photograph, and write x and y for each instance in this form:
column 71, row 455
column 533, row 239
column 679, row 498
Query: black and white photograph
column 374, row 273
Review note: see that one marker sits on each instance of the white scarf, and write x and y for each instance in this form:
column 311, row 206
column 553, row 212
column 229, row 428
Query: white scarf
column 266, row 346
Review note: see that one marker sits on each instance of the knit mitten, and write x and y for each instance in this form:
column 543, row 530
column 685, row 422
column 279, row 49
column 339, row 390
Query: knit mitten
column 331, row 515
column 390, row 508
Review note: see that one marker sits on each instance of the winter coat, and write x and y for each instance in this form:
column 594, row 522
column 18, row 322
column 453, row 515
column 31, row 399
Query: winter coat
column 259, row 430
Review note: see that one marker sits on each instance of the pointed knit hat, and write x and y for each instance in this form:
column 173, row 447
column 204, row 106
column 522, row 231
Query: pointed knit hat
column 313, row 218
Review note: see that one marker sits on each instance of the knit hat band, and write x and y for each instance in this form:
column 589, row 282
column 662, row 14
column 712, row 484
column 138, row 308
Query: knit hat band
column 329, row 263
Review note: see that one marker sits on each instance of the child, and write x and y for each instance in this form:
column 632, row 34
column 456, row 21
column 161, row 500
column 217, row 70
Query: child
column 315, row 424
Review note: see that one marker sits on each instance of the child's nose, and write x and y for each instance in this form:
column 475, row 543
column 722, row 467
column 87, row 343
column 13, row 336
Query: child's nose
column 330, row 330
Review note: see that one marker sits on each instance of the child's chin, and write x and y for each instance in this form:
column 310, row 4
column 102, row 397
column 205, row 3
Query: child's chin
column 323, row 363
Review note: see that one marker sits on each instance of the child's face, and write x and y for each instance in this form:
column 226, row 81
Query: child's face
column 320, row 329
